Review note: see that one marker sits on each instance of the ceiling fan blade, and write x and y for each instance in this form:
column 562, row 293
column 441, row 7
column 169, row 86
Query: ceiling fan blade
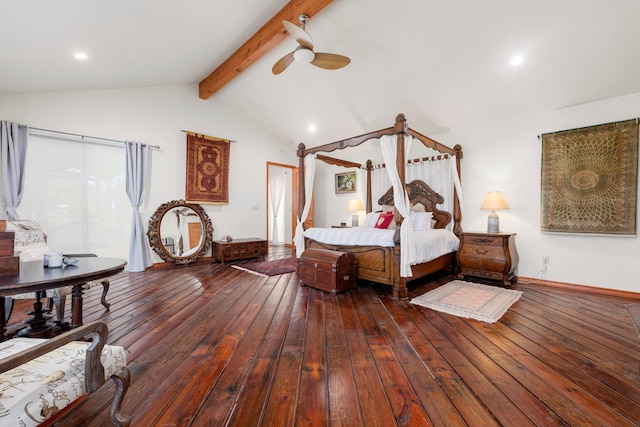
column 301, row 36
column 282, row 63
column 330, row 61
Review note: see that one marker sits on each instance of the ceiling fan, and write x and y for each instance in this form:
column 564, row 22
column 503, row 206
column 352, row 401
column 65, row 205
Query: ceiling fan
column 304, row 52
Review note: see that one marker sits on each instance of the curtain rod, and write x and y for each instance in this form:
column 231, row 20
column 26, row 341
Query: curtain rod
column 84, row 136
column 201, row 135
column 637, row 119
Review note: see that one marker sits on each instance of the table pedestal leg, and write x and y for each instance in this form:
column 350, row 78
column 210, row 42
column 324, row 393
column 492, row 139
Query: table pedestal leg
column 76, row 306
column 38, row 327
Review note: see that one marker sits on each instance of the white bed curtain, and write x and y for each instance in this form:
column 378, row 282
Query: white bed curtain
column 401, row 201
column 310, row 171
column 439, row 173
column 13, row 140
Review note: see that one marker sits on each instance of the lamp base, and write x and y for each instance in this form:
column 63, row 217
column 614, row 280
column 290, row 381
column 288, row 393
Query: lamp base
column 493, row 223
column 354, row 220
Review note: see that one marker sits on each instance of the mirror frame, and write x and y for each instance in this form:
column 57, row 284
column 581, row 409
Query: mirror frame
column 155, row 239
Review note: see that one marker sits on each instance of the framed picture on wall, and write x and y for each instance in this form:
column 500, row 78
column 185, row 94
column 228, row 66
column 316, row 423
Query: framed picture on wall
column 346, row 182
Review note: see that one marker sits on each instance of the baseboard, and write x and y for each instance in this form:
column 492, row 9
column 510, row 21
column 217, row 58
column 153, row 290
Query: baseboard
column 581, row 288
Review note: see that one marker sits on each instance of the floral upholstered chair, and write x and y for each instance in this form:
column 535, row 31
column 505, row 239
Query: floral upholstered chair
column 30, row 243
column 41, row 377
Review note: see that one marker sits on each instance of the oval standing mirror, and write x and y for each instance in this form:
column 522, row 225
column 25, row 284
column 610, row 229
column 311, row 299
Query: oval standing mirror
column 180, row 232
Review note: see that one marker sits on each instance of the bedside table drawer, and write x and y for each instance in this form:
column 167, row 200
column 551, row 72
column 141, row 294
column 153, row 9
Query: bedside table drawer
column 491, row 252
column 483, row 241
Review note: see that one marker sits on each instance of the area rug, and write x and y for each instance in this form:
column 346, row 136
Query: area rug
column 470, row 300
column 269, row 268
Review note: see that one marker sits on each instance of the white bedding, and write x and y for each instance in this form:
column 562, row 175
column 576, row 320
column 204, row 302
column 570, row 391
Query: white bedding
column 430, row 244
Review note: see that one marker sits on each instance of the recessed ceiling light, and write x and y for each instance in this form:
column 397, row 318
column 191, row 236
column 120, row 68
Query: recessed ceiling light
column 81, row 56
column 312, row 128
column 517, row 60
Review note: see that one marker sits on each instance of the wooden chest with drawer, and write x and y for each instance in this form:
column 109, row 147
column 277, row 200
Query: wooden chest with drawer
column 488, row 255
column 330, row 271
column 239, row 249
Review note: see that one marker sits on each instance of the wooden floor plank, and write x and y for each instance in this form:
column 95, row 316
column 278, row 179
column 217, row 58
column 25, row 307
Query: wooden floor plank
column 402, row 397
column 312, row 406
column 373, row 402
column 211, row 345
column 344, row 409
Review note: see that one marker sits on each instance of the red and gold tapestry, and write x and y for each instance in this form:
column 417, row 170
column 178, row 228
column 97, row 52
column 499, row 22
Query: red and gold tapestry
column 207, row 169
column 589, row 179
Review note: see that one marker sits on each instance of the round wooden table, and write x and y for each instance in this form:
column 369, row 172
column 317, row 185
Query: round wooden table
column 34, row 277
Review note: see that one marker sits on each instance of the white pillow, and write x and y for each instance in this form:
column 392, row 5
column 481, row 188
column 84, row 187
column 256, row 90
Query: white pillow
column 370, row 220
column 421, row 221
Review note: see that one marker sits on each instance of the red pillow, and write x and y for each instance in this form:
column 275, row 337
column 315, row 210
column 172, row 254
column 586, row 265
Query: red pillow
column 384, row 219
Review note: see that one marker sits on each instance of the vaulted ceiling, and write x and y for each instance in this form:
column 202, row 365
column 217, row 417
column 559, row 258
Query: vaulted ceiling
column 444, row 64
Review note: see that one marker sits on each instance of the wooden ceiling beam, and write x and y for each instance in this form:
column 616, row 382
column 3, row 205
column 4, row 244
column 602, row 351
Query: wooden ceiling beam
column 260, row 43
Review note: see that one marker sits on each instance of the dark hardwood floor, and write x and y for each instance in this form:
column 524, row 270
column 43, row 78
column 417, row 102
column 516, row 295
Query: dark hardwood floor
column 210, row 345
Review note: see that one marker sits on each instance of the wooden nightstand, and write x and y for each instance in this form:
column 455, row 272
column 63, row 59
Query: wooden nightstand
column 488, row 255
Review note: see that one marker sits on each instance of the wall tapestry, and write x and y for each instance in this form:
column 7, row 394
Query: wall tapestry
column 207, row 169
column 589, row 179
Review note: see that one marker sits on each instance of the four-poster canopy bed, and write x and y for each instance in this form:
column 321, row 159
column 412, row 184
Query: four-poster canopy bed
column 381, row 262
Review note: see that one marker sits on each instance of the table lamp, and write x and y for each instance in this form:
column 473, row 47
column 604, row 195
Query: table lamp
column 355, row 205
column 494, row 201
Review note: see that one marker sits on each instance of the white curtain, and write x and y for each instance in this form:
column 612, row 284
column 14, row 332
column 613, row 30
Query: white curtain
column 439, row 174
column 380, row 183
column 310, row 171
column 401, row 201
column 277, row 182
column 136, row 161
column 13, row 141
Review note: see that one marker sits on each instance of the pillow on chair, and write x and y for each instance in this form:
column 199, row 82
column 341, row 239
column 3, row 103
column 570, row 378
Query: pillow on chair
column 27, row 232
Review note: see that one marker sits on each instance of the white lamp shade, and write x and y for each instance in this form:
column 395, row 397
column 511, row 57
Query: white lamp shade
column 494, row 201
column 355, row 205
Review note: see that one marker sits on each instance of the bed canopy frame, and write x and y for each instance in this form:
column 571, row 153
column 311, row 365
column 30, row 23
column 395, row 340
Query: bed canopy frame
column 400, row 129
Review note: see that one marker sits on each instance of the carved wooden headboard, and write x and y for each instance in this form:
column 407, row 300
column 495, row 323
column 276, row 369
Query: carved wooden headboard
column 419, row 192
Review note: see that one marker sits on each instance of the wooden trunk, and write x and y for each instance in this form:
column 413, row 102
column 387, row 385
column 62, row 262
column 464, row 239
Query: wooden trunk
column 7, row 239
column 330, row 271
column 9, row 265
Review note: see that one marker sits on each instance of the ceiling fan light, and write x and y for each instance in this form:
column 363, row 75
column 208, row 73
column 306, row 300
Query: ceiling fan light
column 304, row 55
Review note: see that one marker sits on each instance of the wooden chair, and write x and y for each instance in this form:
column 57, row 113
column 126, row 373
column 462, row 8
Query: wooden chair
column 31, row 243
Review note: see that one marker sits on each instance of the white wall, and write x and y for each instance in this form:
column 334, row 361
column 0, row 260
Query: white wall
column 157, row 116
column 335, row 212
column 506, row 156
column 500, row 155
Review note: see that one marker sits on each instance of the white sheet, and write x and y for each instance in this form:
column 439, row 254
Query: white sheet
column 430, row 244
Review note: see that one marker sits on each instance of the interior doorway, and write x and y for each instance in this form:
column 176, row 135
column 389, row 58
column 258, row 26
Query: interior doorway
column 281, row 200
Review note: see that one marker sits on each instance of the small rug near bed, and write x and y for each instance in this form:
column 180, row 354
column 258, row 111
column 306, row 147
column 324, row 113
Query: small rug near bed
column 471, row 300
column 269, row 268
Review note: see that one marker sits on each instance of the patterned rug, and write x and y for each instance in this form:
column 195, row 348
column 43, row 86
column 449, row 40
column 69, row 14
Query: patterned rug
column 269, row 268
column 470, row 300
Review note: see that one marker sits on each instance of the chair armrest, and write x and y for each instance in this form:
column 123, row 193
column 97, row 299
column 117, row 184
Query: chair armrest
column 94, row 371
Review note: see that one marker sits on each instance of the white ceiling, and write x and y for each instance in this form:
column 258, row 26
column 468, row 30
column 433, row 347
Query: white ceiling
column 443, row 63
